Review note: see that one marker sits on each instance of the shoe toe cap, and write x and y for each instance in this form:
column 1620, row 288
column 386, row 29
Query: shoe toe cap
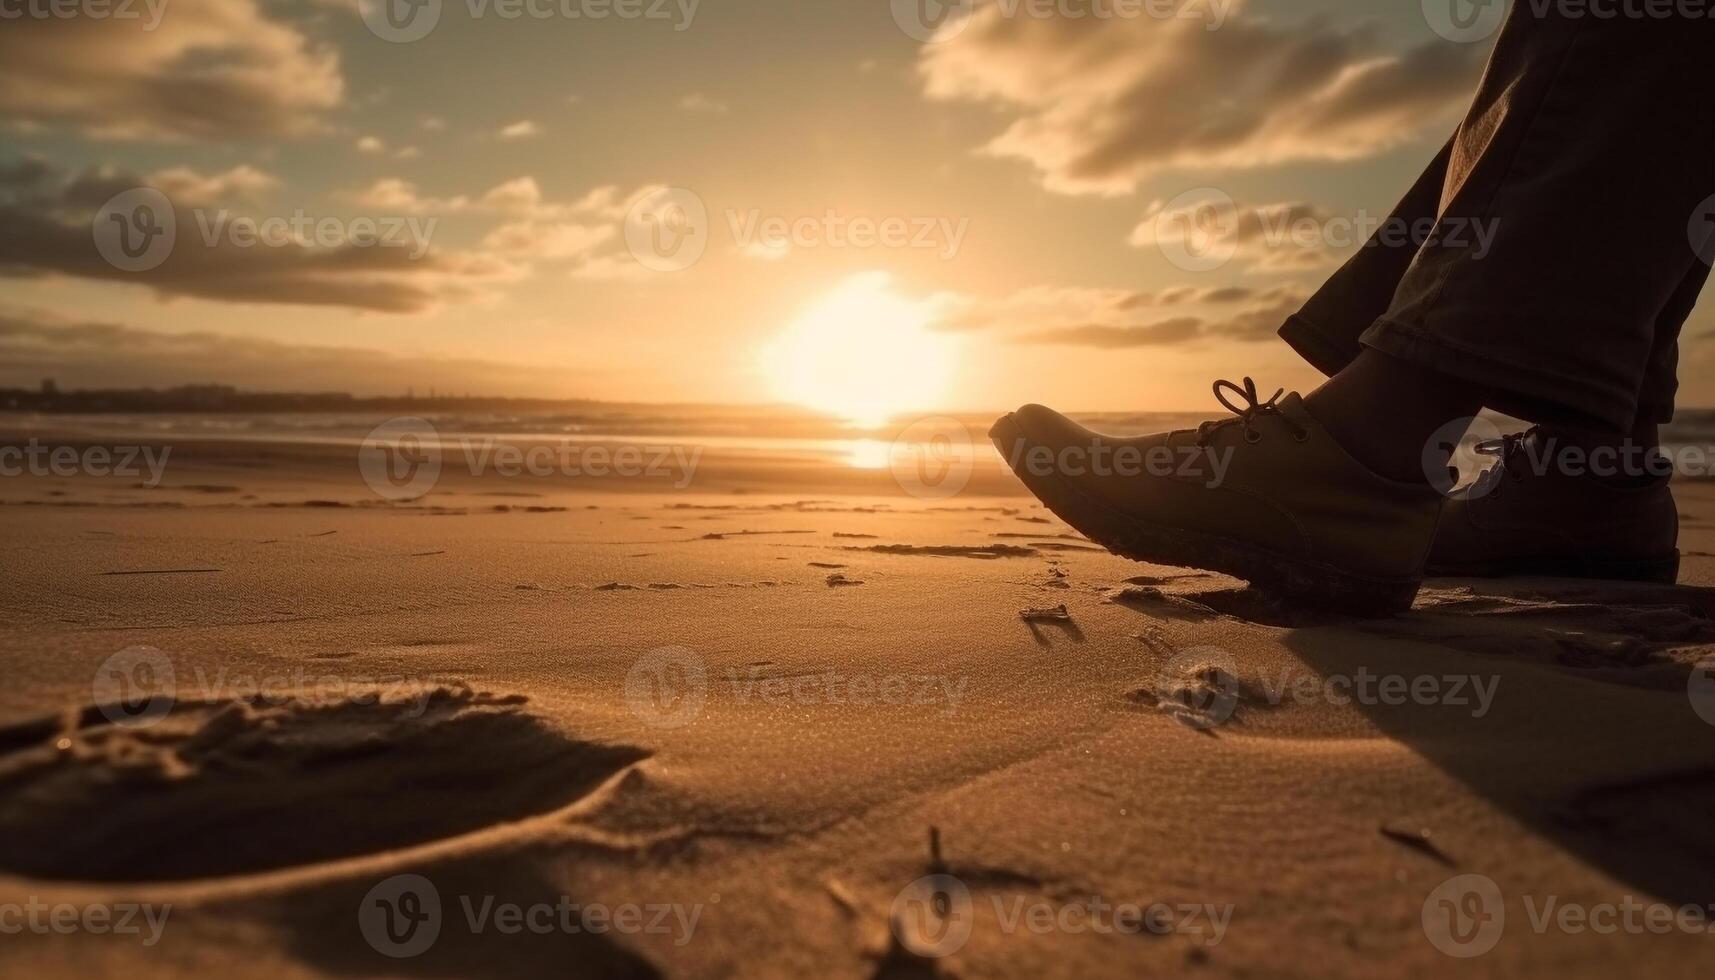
column 1042, row 425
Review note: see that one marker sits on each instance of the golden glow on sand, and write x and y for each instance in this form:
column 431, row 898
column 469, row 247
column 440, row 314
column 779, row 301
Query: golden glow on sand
column 864, row 353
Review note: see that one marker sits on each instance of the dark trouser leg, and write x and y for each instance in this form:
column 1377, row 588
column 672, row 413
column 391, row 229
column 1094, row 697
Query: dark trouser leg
column 1562, row 266
column 1326, row 329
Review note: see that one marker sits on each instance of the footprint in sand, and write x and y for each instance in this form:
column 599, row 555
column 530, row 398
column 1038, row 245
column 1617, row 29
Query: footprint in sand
column 237, row 786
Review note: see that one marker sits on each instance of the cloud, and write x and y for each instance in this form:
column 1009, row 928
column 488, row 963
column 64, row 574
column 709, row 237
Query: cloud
column 1171, row 331
column 518, row 197
column 530, row 239
column 188, row 187
column 1197, row 295
column 614, row 267
column 371, row 146
column 538, row 229
column 82, row 354
column 521, row 195
column 520, row 130
column 1106, row 318
column 766, row 251
column 1283, row 237
column 698, row 102
column 211, row 70
column 46, row 229
column 1098, row 105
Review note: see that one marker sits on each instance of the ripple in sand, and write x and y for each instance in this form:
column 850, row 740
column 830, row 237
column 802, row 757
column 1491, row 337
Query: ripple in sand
column 229, row 787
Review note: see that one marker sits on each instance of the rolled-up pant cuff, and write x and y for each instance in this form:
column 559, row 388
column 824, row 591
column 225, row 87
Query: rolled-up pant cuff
column 1324, row 350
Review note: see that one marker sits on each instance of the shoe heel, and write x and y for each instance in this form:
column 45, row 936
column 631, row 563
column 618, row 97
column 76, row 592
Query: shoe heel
column 1331, row 589
column 1663, row 571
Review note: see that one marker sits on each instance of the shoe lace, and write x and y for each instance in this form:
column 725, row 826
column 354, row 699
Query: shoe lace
column 1504, row 450
column 1245, row 415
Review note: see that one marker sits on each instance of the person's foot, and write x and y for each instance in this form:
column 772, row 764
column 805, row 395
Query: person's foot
column 1267, row 496
column 1525, row 517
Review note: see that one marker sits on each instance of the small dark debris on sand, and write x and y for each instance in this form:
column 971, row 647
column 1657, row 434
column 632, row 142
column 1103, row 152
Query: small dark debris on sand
column 826, row 564
column 1418, row 839
column 988, row 551
column 160, row 571
column 836, row 580
column 843, row 534
column 1143, row 595
column 722, row 535
column 1051, row 614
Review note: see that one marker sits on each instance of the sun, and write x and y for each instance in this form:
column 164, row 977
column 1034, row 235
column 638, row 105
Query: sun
column 864, row 353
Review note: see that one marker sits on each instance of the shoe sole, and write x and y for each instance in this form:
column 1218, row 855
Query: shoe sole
column 1662, row 571
column 1294, row 580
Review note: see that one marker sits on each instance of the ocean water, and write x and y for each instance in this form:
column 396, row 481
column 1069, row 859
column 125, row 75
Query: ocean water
column 779, row 431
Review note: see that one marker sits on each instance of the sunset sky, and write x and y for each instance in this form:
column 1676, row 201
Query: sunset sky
column 1025, row 157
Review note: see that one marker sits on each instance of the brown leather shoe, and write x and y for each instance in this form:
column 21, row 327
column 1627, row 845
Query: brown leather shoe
column 1268, row 496
column 1525, row 517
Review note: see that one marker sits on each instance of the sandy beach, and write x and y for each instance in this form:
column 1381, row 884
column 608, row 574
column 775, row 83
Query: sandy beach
column 768, row 725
